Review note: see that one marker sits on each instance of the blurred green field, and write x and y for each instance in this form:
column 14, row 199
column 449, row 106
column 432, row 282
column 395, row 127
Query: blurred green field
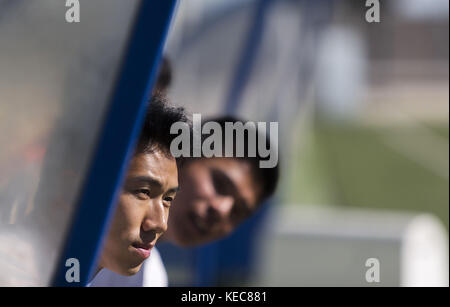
column 373, row 166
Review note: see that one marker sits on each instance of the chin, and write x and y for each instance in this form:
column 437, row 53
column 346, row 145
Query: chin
column 128, row 271
column 192, row 242
column 135, row 269
column 185, row 244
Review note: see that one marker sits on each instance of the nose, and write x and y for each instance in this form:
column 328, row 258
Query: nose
column 155, row 220
column 220, row 207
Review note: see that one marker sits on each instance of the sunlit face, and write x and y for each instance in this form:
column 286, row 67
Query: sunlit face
column 217, row 194
column 142, row 212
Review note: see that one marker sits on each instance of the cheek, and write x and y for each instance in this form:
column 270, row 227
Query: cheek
column 167, row 214
column 192, row 191
column 127, row 218
column 228, row 229
column 201, row 188
column 182, row 204
column 195, row 181
column 221, row 231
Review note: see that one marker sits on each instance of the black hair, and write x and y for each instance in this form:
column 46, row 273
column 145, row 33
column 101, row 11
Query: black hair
column 266, row 178
column 156, row 130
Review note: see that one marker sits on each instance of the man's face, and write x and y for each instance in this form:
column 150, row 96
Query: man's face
column 142, row 213
column 217, row 194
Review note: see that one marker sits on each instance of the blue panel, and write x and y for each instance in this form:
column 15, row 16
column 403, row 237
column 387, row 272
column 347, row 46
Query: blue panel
column 116, row 143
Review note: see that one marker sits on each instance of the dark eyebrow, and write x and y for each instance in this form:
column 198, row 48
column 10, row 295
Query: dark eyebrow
column 173, row 190
column 146, row 179
column 154, row 182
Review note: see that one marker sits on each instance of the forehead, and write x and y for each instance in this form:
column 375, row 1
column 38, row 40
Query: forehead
column 239, row 171
column 157, row 165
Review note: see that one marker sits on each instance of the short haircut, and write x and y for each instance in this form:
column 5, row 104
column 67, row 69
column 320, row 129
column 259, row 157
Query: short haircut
column 266, row 178
column 156, row 130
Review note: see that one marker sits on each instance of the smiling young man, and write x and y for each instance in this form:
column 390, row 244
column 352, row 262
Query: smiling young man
column 219, row 193
column 150, row 186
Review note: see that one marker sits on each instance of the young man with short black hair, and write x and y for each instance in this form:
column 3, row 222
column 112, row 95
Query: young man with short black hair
column 147, row 194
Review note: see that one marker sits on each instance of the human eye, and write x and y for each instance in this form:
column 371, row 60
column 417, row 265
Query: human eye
column 221, row 183
column 167, row 201
column 168, row 198
column 142, row 193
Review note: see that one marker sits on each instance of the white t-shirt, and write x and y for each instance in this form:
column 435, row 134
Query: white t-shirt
column 151, row 274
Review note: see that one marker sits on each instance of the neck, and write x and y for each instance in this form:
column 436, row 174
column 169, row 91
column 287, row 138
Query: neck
column 99, row 268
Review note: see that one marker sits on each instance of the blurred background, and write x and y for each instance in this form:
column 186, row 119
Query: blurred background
column 363, row 112
column 55, row 83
